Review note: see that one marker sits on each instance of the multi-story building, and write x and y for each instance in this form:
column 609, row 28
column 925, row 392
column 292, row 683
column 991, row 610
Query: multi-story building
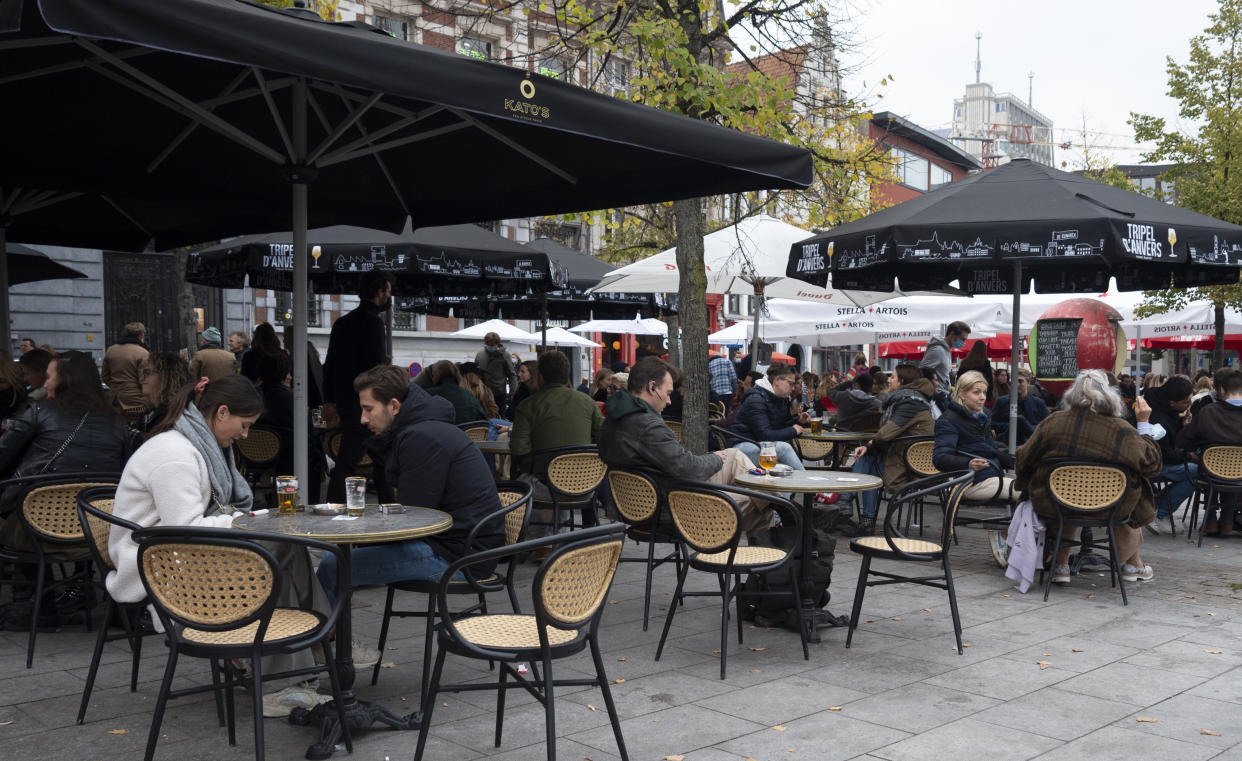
column 995, row 127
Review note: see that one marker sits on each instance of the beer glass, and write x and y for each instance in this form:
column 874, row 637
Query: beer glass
column 817, row 426
column 355, row 495
column 287, row 494
column 767, row 456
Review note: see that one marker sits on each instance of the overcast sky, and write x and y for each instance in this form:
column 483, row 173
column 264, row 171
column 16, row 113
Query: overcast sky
column 1098, row 59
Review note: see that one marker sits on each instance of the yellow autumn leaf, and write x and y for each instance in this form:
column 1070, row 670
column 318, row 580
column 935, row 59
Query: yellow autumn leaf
column 619, row 680
column 1145, row 720
column 118, row 731
column 1076, row 650
column 834, row 708
column 780, row 727
column 675, row 757
column 1212, row 652
column 1209, row 733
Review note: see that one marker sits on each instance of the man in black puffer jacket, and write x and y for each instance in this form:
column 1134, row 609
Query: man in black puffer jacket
column 765, row 415
column 1218, row 423
column 1169, row 403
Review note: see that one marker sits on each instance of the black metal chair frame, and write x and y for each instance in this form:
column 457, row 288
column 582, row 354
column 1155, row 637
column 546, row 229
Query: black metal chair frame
column 541, row 688
column 656, row 529
column 174, row 625
column 1106, row 517
column 430, row 587
column 729, row 576
column 584, row 500
column 39, row 557
column 949, row 487
column 1211, row 486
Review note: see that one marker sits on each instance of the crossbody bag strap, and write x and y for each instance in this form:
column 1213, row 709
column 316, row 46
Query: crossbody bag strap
column 64, row 444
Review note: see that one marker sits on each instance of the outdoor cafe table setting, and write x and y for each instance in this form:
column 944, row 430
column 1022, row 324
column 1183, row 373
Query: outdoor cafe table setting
column 837, row 437
column 372, row 527
column 808, row 483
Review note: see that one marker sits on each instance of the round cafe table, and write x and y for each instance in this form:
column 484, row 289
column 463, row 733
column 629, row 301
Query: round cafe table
column 371, row 528
column 493, row 447
column 808, row 483
column 837, row 437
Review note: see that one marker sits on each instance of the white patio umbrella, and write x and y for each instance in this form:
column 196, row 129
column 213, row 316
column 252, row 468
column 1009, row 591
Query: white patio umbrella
column 562, row 337
column 648, row 326
column 501, row 328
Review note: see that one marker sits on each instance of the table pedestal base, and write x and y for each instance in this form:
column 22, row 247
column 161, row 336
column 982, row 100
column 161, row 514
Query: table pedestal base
column 813, row 619
column 360, row 715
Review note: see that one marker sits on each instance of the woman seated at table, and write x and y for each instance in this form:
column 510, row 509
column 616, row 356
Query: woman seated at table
column 183, row 475
column 74, row 429
column 964, row 442
column 906, row 412
column 765, row 415
column 1089, row 425
column 446, row 383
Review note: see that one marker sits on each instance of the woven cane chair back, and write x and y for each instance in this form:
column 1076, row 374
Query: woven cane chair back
column 814, row 449
column 576, row 472
column 574, row 584
column 514, row 519
column 100, row 530
column 206, row 586
column 919, row 458
column 1223, row 463
column 260, row 446
column 52, row 511
column 708, row 522
column 675, row 427
column 635, row 496
column 1087, row 488
column 476, row 431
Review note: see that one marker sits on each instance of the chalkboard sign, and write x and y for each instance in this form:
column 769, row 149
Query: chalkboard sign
column 1056, row 348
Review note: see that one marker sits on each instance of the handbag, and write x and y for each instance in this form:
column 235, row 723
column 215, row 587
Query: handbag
column 63, row 445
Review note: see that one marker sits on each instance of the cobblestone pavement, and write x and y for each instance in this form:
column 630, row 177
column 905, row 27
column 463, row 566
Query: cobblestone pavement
column 1079, row 676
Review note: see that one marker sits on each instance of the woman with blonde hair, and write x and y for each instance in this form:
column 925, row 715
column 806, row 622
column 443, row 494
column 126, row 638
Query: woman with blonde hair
column 600, row 384
column 472, row 378
column 964, row 442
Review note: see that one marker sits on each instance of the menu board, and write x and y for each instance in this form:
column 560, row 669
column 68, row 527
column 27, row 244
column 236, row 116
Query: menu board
column 1056, row 348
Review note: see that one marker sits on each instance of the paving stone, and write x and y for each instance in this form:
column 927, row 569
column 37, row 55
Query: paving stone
column 950, row 740
column 672, row 731
column 1000, row 678
column 1185, row 717
column 827, row 737
column 1056, row 713
column 782, row 701
column 1128, row 683
column 1117, row 744
column 917, row 707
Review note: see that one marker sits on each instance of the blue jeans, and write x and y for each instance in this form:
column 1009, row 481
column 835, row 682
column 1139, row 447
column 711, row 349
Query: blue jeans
column 785, row 454
column 1181, row 488
column 868, row 500
column 493, row 427
column 384, row 564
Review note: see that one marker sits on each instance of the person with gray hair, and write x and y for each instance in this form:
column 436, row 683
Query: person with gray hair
column 1089, row 425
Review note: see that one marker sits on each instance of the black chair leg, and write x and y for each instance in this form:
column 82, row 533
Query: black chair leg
column 427, row 644
column 338, row 697
column 608, row 703
column 230, row 704
column 217, row 688
column 957, row 620
column 1056, row 552
column 549, row 705
column 256, row 698
column 94, row 669
column 157, row 718
column 135, row 648
column 647, row 586
column 38, row 604
column 737, row 605
column 859, row 591
column 383, row 637
column 724, row 622
column 802, row 624
column 1116, row 562
column 668, row 620
column 500, row 703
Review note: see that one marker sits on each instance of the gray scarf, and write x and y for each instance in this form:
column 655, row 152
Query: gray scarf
column 229, row 490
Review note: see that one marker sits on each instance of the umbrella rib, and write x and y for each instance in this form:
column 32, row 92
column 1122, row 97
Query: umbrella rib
column 517, row 147
column 127, row 216
column 345, row 124
column 189, row 128
column 379, row 147
column 39, row 200
column 275, row 112
column 60, row 68
column 176, row 101
column 35, row 42
column 379, row 160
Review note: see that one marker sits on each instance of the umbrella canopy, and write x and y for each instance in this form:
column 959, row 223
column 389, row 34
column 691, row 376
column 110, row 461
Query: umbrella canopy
column 648, row 326
column 562, row 337
column 29, row 266
column 453, row 259
column 998, row 347
column 744, row 258
column 1233, row 342
column 501, row 328
column 1069, row 232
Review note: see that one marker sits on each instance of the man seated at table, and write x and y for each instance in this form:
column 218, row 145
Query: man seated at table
column 432, row 463
column 766, row 415
column 635, row 436
column 554, row 416
column 1031, row 411
column 1219, row 423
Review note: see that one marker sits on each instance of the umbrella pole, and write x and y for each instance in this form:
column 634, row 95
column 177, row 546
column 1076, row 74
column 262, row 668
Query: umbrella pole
column 543, row 311
column 756, row 310
column 4, row 290
column 1015, row 355
column 300, row 419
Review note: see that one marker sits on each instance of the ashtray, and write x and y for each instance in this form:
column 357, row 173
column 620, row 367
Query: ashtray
column 391, row 508
column 328, row 508
column 780, row 470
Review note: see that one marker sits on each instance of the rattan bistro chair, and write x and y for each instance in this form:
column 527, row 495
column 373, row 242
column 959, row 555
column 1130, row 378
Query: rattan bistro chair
column 258, row 453
column 54, row 535
column 1087, row 494
column 95, row 516
column 710, row 522
column 515, row 515
column 675, row 427
column 641, row 505
column 816, row 451
column 476, row 429
column 574, row 473
column 568, row 596
column 895, row 545
column 215, row 591
column 1220, row 473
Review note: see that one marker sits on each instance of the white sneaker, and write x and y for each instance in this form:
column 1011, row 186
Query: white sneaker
column 280, row 704
column 1061, row 574
column 1000, row 550
column 1134, row 573
column 364, row 655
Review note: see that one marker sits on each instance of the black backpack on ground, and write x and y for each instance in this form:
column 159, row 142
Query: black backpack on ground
column 781, row 609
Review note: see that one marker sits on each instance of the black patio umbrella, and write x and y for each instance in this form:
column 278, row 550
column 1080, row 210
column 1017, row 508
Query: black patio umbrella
column 1001, row 229
column 150, row 123
column 464, row 260
column 29, row 266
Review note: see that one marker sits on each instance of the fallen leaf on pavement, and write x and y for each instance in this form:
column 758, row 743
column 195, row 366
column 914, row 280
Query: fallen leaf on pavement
column 1047, row 655
column 1043, row 665
column 675, row 757
column 834, row 708
column 869, row 621
column 756, row 649
column 1006, row 595
column 1209, row 733
column 927, row 610
column 388, row 665
column 390, row 647
column 715, row 652
column 118, row 731
column 590, row 707
column 612, row 602
column 1212, row 652
column 619, row 680
column 965, row 644
column 756, row 671
column 621, row 659
column 6, row 723
column 1145, row 720
column 1090, row 597
column 1211, row 614
column 1076, row 650
column 780, row 727
column 898, row 618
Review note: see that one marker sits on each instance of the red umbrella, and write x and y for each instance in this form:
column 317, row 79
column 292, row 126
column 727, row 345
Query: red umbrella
column 998, row 347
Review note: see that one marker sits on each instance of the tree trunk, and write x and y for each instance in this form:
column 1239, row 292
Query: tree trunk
column 674, row 340
column 1218, row 351
column 692, row 314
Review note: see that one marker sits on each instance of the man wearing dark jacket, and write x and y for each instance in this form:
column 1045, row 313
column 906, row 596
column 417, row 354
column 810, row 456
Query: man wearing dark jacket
column 1169, row 405
column 635, row 436
column 1216, row 424
column 1031, row 410
column 432, row 463
column 854, row 399
column 765, row 415
column 355, row 345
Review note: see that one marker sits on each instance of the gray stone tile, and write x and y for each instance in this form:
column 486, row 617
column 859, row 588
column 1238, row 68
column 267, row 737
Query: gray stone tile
column 877, row 672
column 1060, row 652
column 1128, row 683
column 1186, row 717
column 950, row 740
column 1000, row 678
column 675, row 730
column 917, row 707
column 1188, row 658
column 1117, row 744
column 781, row 701
column 655, row 692
column 824, row 737
column 1227, row 686
column 523, row 726
column 1136, row 633
column 1056, row 713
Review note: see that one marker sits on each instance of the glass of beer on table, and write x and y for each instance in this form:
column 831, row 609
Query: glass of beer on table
column 355, row 495
column 287, row 494
column 767, row 456
column 817, row 426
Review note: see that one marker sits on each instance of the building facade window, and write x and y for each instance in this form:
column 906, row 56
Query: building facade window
column 616, row 77
column 1000, row 108
column 284, row 309
column 396, row 27
column 475, row 48
column 912, row 169
column 556, row 68
column 939, row 177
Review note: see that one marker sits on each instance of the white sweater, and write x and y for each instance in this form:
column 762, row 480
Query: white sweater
column 164, row 483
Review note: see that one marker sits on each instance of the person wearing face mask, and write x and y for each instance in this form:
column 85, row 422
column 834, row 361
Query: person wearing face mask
column 498, row 372
column 1170, row 410
column 939, row 356
column 1215, row 424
